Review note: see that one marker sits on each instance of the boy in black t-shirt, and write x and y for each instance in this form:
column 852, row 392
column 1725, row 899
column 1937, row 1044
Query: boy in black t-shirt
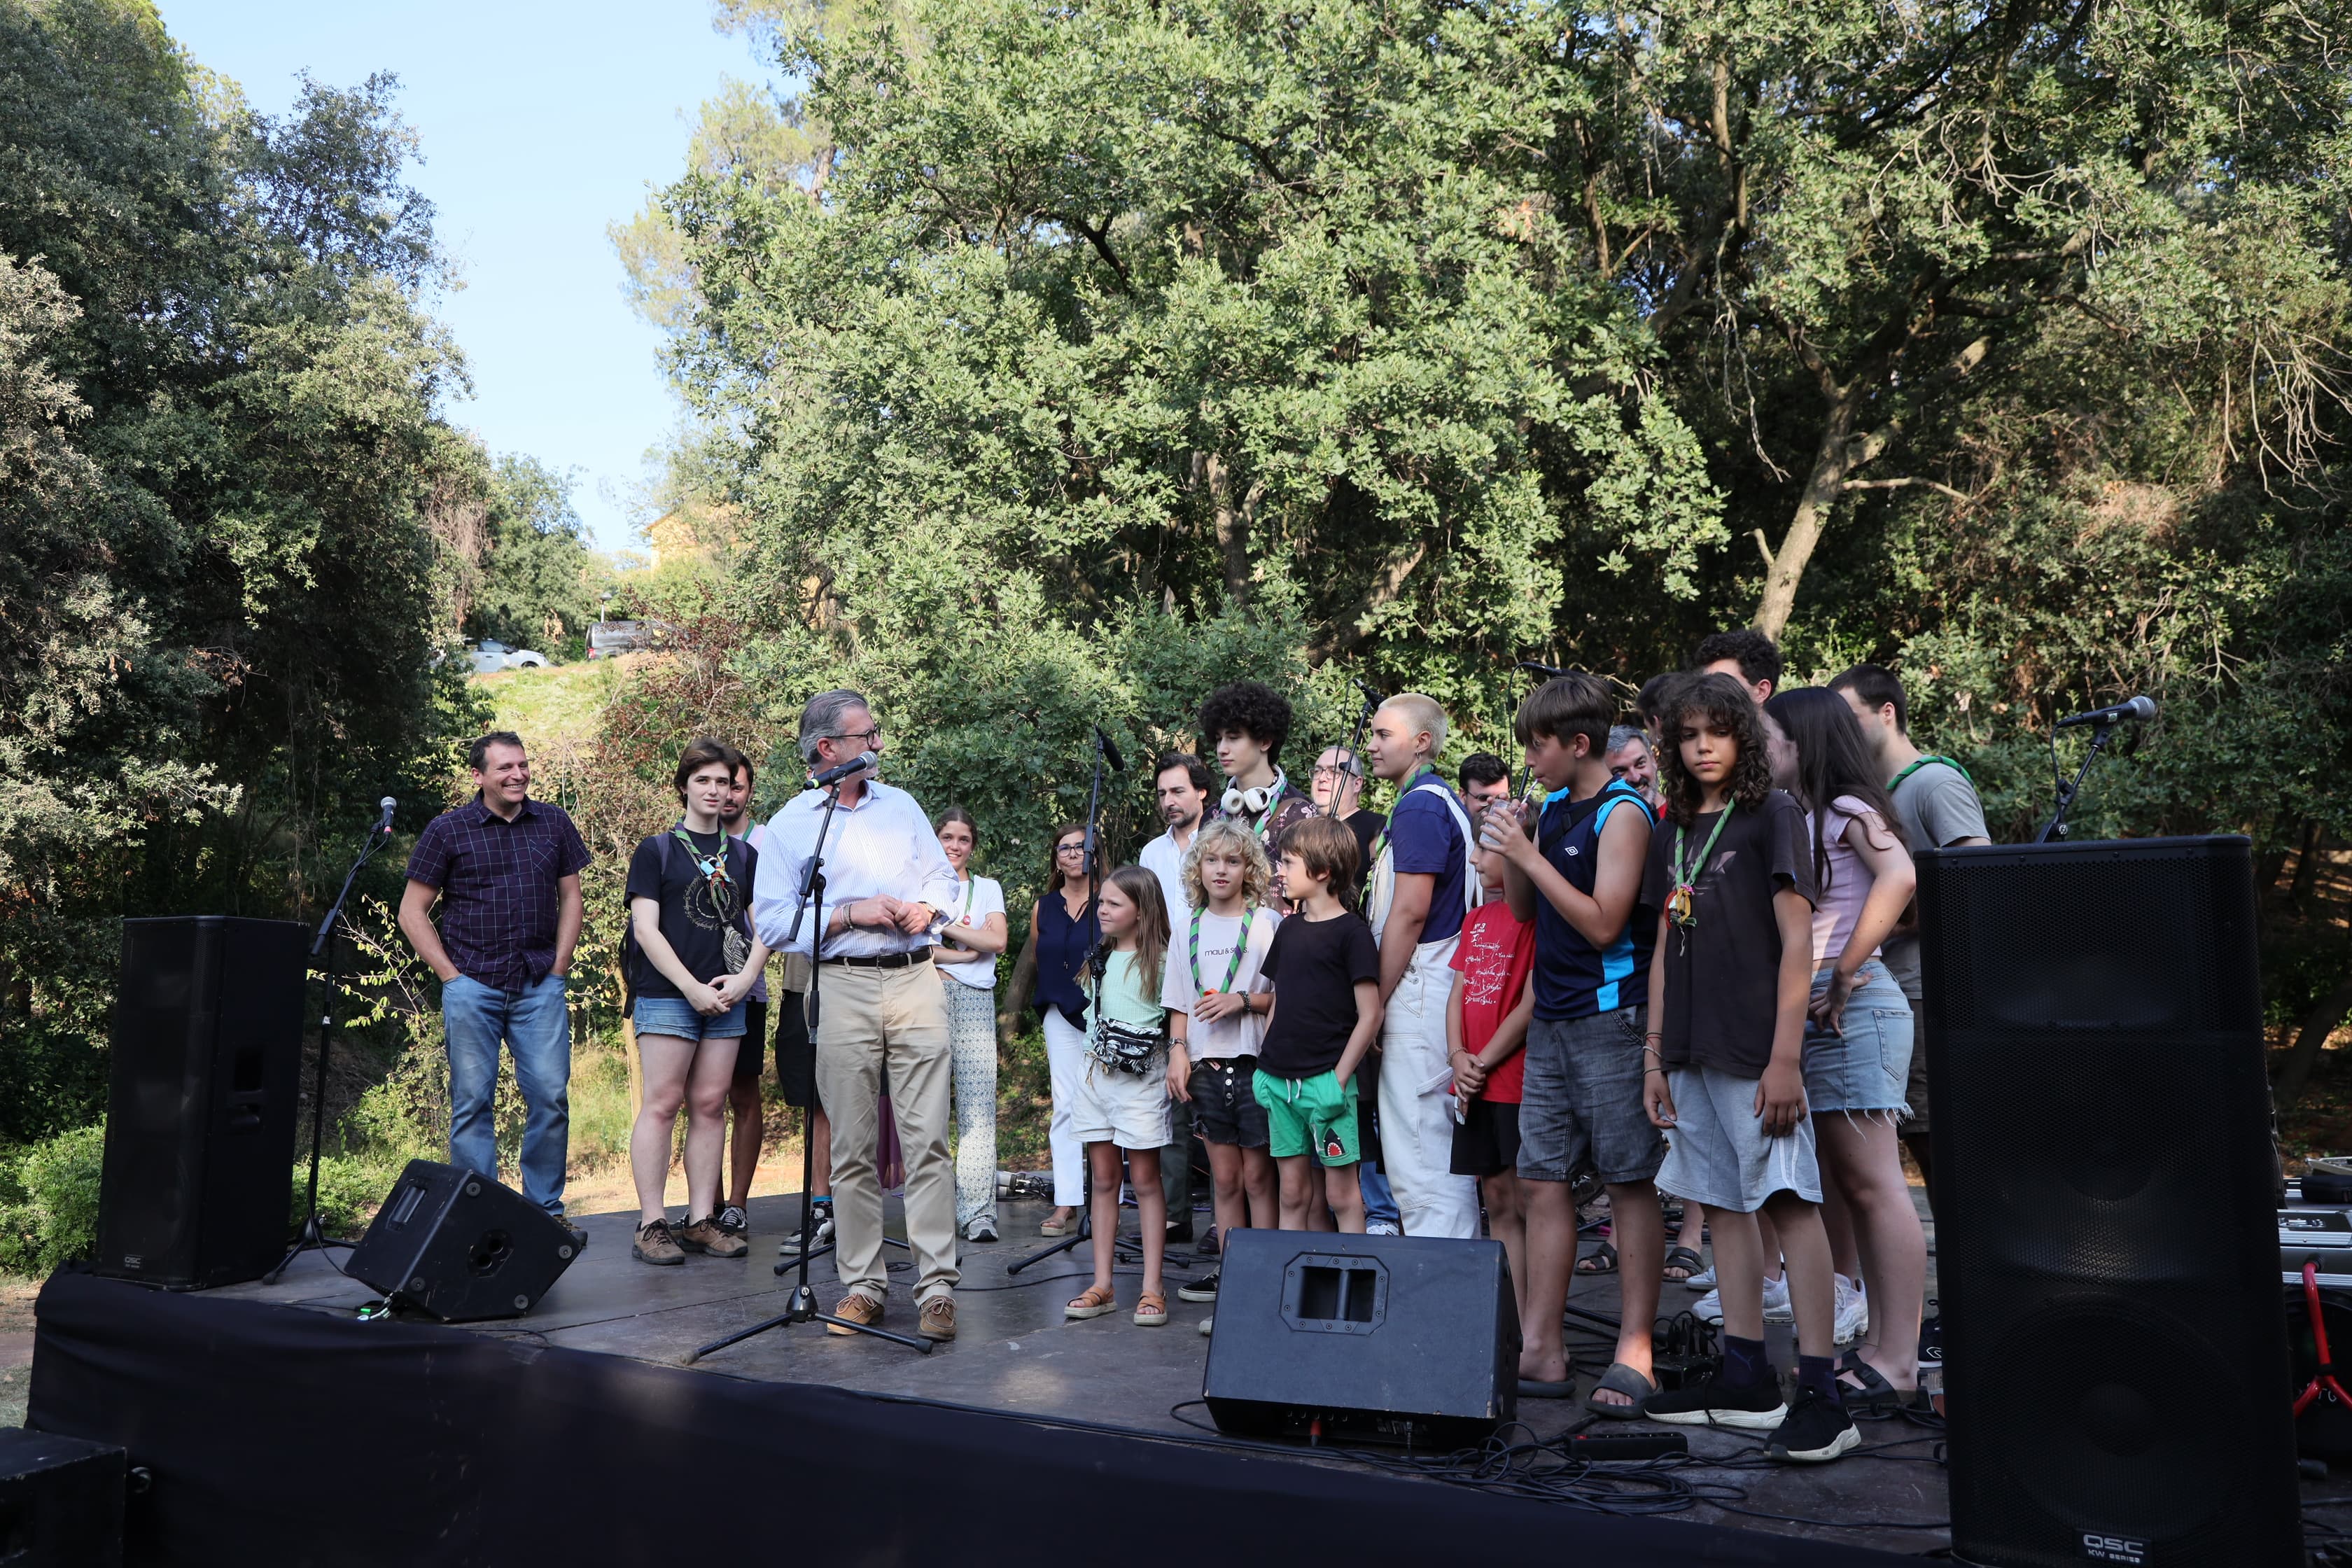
column 1326, row 973
column 1731, row 874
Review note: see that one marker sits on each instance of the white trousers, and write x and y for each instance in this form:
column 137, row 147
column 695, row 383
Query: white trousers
column 1416, row 1130
column 1066, row 1061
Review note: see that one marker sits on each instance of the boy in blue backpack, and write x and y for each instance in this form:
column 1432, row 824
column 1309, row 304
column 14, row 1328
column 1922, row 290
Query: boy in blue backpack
column 1578, row 876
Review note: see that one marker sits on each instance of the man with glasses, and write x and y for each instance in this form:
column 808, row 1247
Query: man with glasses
column 887, row 880
column 1341, row 772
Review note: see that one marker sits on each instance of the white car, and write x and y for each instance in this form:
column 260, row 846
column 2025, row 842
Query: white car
column 490, row 654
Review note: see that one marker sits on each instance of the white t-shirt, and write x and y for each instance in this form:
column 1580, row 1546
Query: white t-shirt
column 979, row 898
column 1237, row 1035
column 1165, row 861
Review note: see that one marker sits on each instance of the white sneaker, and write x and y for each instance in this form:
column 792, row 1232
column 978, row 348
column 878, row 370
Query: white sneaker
column 1381, row 1228
column 1702, row 1280
column 1709, row 1307
column 1206, row 1324
column 1853, row 1312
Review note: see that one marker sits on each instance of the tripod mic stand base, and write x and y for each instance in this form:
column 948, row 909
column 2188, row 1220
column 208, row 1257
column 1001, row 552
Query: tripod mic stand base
column 314, row 1238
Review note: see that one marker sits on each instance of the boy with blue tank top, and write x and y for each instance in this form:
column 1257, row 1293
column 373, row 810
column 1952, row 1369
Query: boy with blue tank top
column 1578, row 878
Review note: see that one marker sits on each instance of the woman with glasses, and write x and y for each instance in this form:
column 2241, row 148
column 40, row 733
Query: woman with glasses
column 1061, row 933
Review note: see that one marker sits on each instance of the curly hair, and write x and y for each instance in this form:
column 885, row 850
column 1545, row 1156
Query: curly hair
column 1758, row 656
column 1230, row 837
column 1256, row 709
column 1723, row 702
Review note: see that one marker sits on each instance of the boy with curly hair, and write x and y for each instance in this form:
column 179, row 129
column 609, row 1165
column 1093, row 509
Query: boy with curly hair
column 1247, row 721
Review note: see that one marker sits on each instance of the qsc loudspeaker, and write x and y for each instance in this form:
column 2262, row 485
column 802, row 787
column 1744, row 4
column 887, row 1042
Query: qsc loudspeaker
column 198, row 1181
column 454, row 1243
column 2106, row 1256
column 1374, row 1337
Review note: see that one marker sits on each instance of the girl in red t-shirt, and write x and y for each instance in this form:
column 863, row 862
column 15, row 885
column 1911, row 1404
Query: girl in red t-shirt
column 1486, row 1026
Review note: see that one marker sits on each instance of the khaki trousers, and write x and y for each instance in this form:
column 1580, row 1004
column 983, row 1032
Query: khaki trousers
column 868, row 1018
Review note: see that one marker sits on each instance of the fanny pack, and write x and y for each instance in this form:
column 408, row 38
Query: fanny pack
column 1123, row 1047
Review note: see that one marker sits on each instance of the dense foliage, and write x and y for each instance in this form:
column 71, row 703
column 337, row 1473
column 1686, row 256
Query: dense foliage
column 1033, row 344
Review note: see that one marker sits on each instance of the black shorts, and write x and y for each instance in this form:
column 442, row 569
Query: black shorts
column 1224, row 1102
column 1487, row 1142
column 750, row 1058
column 795, row 1052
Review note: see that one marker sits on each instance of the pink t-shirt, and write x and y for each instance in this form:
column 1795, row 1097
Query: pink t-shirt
column 1846, row 884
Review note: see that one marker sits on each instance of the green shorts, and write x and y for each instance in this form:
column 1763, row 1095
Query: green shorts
column 1309, row 1112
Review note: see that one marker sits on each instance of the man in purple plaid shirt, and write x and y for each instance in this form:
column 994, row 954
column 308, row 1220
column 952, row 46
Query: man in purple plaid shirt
column 506, row 870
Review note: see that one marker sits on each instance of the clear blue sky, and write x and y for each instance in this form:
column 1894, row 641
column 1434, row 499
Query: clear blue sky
column 540, row 124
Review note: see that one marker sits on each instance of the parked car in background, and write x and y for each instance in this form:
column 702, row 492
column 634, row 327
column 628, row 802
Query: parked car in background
column 606, row 638
column 490, row 654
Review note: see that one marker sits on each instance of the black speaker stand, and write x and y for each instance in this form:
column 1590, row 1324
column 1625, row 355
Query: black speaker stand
column 314, row 1237
column 802, row 1308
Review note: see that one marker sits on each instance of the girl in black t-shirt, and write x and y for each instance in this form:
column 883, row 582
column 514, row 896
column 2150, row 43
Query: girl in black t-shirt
column 1723, row 1062
column 696, row 959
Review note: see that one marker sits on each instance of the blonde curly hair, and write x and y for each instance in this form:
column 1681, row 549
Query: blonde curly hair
column 1230, row 837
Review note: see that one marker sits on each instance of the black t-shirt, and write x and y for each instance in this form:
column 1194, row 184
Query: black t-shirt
column 1366, row 826
column 1723, row 972
column 1315, row 967
column 702, row 918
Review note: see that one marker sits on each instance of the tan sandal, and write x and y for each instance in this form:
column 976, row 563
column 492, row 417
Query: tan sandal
column 1093, row 1304
column 1151, row 1311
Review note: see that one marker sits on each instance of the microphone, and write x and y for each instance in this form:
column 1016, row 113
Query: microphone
column 1110, row 749
column 386, row 807
column 2131, row 712
column 840, row 771
column 1547, row 669
column 1371, row 696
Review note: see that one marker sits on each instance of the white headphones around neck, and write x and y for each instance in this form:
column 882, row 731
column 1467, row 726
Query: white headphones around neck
column 1254, row 800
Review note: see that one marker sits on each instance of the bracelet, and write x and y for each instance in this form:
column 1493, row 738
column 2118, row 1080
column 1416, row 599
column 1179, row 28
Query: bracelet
column 1653, row 1035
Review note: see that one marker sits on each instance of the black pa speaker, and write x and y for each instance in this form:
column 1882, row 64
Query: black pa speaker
column 198, row 1182
column 1388, row 1339
column 455, row 1244
column 61, row 1501
column 2106, row 1254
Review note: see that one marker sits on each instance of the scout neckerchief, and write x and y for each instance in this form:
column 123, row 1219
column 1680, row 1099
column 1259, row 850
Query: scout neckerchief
column 725, row 896
column 1922, row 762
column 1241, row 945
column 1686, row 874
column 712, row 867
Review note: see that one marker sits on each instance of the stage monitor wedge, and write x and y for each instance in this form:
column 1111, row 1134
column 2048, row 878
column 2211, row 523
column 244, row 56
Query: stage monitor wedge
column 2106, row 1183
column 457, row 1245
column 197, row 1186
column 1403, row 1339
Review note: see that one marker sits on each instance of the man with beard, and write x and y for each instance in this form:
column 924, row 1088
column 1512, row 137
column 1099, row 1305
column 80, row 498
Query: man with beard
column 1182, row 786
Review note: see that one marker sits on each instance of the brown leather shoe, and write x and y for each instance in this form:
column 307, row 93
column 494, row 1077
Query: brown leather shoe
column 855, row 1308
column 937, row 1320
column 704, row 1235
column 653, row 1244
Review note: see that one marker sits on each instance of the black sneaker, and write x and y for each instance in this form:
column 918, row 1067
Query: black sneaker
column 1931, row 1340
column 579, row 1237
column 1180, row 1233
column 1202, row 1290
column 1706, row 1401
column 1816, row 1431
column 732, row 1219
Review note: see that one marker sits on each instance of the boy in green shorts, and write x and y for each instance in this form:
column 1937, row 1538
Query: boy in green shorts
column 1326, row 973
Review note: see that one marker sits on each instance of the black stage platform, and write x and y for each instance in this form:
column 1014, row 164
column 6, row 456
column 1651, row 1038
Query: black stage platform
column 281, row 1430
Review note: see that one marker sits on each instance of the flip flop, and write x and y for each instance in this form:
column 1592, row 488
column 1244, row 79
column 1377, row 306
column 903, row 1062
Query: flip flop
column 1621, row 1379
column 1602, row 1261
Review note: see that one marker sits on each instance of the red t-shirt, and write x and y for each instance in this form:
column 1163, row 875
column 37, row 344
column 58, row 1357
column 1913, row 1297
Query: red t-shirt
column 1495, row 955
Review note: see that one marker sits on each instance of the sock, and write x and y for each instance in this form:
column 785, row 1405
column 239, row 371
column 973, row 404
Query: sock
column 1744, row 1366
column 1819, row 1373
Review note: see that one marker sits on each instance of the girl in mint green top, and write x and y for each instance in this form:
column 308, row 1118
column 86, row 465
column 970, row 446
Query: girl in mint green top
column 1121, row 1109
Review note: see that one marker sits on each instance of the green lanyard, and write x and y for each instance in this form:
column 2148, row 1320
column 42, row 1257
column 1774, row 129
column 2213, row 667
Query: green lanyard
column 1922, row 762
column 966, row 907
column 1685, row 872
column 712, row 867
column 1381, row 839
column 1241, row 945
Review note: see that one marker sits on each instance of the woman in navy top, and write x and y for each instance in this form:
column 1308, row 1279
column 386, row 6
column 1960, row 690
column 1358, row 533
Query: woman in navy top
column 1062, row 931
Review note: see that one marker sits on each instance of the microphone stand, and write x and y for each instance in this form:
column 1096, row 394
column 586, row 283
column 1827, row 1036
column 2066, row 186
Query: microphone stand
column 1349, row 758
column 801, row 1306
column 314, row 1237
column 2054, row 830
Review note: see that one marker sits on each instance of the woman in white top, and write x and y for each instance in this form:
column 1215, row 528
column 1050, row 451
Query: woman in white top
column 969, row 943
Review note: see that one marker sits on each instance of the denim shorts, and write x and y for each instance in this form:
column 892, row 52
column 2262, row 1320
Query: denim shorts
column 675, row 1015
column 1867, row 1065
column 1224, row 1102
column 1580, row 1103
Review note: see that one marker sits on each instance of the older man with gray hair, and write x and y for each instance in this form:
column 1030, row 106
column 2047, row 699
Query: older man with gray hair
column 885, row 880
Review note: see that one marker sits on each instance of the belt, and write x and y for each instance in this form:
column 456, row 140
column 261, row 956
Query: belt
column 887, row 960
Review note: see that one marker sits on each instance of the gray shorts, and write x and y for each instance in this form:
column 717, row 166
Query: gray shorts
column 1581, row 1101
column 1718, row 1154
column 1866, row 1066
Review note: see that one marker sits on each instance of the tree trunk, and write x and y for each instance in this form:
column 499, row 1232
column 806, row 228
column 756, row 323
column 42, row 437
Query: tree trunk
column 1833, row 460
column 1232, row 519
column 2322, row 1021
column 2306, row 865
column 1017, row 988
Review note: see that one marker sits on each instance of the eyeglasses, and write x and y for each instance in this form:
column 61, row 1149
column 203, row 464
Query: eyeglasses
column 1069, row 848
column 865, row 738
column 1330, row 770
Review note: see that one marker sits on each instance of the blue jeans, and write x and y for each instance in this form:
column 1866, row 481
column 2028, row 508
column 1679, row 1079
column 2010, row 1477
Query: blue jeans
column 535, row 1026
column 1378, row 1201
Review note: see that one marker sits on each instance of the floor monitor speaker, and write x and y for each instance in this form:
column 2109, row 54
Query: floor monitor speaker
column 1407, row 1339
column 455, row 1244
column 2106, row 1207
column 197, row 1185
